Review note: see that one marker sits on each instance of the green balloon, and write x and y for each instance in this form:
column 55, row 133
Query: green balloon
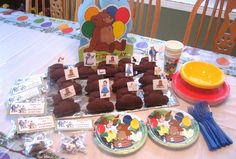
column 40, row 20
column 87, row 29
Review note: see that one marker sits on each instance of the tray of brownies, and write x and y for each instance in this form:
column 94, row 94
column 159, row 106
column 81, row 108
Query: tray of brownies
column 110, row 86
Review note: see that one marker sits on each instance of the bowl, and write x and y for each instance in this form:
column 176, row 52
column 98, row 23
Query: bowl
column 202, row 74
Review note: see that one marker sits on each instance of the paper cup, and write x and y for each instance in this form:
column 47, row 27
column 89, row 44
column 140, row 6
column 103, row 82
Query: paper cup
column 173, row 50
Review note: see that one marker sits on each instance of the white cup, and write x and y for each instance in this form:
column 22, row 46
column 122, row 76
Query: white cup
column 173, row 50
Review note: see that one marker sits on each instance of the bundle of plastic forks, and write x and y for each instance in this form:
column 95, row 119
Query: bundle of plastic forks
column 212, row 133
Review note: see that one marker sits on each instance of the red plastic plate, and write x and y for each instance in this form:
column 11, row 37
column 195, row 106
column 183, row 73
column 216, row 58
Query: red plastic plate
column 192, row 94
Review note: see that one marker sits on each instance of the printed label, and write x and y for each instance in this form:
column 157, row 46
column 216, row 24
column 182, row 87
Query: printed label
column 160, row 84
column 132, row 86
column 111, row 59
column 26, row 84
column 90, row 59
column 32, row 124
column 33, row 78
column 27, row 108
column 71, row 73
column 104, row 88
column 67, row 92
column 73, row 124
column 25, row 95
column 101, row 71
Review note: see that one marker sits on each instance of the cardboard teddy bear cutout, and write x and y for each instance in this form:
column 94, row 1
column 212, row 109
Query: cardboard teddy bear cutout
column 104, row 28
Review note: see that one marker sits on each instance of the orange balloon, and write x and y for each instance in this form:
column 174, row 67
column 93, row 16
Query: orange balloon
column 63, row 26
column 91, row 11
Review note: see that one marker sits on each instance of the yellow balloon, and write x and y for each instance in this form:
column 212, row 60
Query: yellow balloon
column 134, row 124
column 118, row 29
column 63, row 26
column 186, row 121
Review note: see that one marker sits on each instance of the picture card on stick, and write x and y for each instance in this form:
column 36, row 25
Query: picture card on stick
column 160, row 84
column 129, row 70
column 112, row 59
column 71, row 73
column 67, row 92
column 132, row 86
column 157, row 71
column 90, row 59
column 101, row 71
column 152, row 54
column 104, row 88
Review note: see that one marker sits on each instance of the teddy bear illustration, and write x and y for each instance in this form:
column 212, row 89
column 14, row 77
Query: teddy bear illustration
column 175, row 132
column 103, row 38
column 123, row 134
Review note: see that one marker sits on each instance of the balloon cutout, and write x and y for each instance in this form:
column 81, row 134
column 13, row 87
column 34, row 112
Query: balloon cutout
column 91, row 11
column 111, row 10
column 122, row 14
column 118, row 29
column 87, row 29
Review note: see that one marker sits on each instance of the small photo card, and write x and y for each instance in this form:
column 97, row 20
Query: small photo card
column 160, row 84
column 67, row 92
column 33, row 124
column 157, row 71
column 36, row 108
column 101, row 71
column 73, row 124
column 129, row 70
column 132, row 86
column 71, row 73
column 112, row 59
column 104, row 88
column 152, row 54
column 90, row 59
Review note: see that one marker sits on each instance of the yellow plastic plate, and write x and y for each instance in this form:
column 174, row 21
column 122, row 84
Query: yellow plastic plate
column 202, row 74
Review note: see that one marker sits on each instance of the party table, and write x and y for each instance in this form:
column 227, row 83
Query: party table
column 30, row 43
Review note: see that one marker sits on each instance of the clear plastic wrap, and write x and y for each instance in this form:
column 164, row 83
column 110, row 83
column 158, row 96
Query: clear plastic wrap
column 36, row 144
column 73, row 142
column 28, row 89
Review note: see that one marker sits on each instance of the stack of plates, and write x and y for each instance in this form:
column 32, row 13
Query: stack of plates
column 201, row 81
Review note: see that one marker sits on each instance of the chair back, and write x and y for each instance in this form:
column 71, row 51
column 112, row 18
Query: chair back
column 33, row 5
column 148, row 20
column 224, row 31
